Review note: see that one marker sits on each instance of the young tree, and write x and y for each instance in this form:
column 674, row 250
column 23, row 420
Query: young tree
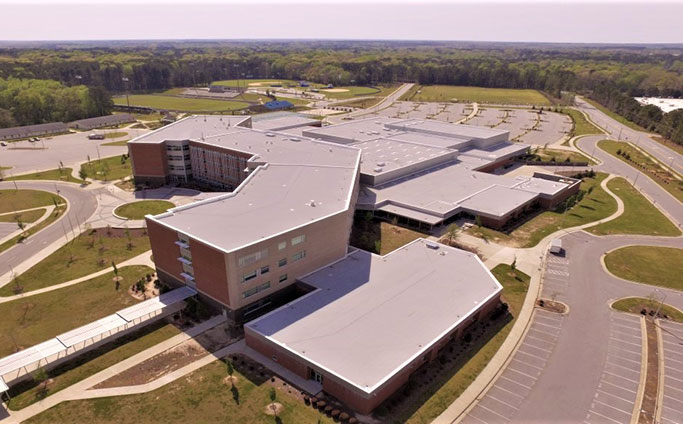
column 40, row 376
column 273, row 398
column 452, row 233
column 83, row 174
column 478, row 221
column 116, row 270
column 21, row 226
column 513, row 265
column 231, row 370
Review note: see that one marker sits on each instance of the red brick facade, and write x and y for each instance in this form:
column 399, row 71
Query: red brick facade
column 210, row 272
column 149, row 161
column 164, row 249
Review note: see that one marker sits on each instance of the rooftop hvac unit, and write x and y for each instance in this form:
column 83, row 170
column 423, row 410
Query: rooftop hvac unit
column 295, row 139
column 381, row 163
column 270, row 134
column 432, row 245
column 378, row 169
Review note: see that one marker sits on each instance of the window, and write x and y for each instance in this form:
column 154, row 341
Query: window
column 298, row 239
column 283, row 278
column 249, row 276
column 282, row 262
column 299, row 255
column 252, row 291
column 253, row 257
column 265, row 269
column 281, row 245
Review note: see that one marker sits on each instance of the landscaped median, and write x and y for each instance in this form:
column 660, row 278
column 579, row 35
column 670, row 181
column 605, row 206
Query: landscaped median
column 138, row 210
column 653, row 265
column 60, row 174
column 111, row 168
column 648, row 307
column 88, row 253
column 629, row 154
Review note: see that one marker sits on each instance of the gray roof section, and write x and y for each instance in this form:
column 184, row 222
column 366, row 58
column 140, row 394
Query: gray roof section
column 94, row 329
column 31, row 130
column 368, row 319
column 281, row 123
column 383, row 155
column 446, row 129
column 30, row 355
column 194, row 128
column 354, row 131
column 103, row 121
column 155, row 304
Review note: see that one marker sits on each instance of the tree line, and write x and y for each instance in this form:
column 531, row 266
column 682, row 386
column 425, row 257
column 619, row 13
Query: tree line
column 603, row 73
column 36, row 101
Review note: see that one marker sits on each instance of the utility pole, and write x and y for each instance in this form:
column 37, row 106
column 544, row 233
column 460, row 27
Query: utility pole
column 126, row 87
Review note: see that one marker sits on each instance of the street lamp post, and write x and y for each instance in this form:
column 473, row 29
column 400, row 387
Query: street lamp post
column 125, row 83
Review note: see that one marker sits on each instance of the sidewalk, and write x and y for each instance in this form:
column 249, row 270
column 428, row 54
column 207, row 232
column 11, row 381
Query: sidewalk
column 76, row 391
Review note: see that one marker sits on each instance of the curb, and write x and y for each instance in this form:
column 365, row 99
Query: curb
column 635, row 415
column 660, row 387
column 608, row 272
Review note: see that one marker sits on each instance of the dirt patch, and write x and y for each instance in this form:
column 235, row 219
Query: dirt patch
column 172, row 359
column 461, row 246
column 149, row 291
column 274, row 408
column 551, row 306
column 335, row 90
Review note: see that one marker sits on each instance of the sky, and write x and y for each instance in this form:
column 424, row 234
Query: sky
column 502, row 20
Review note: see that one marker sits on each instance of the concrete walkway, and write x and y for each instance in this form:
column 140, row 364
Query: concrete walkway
column 141, row 259
column 77, row 390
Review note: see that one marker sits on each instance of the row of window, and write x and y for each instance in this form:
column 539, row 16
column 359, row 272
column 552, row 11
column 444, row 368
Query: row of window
column 265, row 286
column 178, row 157
column 266, row 268
column 256, row 256
column 173, row 148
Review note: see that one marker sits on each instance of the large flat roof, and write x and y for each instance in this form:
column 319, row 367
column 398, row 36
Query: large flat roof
column 354, row 131
column 193, row 128
column 384, row 155
column 367, row 319
column 446, row 129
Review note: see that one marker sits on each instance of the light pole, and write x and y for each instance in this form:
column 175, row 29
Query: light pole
column 125, row 84
column 660, row 303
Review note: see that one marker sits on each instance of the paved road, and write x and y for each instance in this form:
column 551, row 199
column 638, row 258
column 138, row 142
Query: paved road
column 620, row 131
column 644, row 184
column 388, row 101
column 82, row 204
column 590, row 356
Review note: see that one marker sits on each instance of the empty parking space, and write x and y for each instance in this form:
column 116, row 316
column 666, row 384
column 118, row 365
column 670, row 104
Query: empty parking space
column 672, row 346
column 551, row 128
column 453, row 112
column 518, row 122
column 615, row 396
column 556, row 276
column 487, row 117
column 502, row 401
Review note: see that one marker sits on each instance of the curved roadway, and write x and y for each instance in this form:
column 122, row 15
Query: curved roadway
column 82, row 204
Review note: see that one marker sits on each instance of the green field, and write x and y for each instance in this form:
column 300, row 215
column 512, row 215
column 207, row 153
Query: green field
column 167, row 102
column 17, row 200
column 116, row 143
column 652, row 169
column 448, row 93
column 111, row 168
column 138, row 210
column 654, row 265
column 639, row 217
column 200, row 397
column 80, row 257
column 257, row 83
column 31, row 320
column 635, row 305
column 581, row 125
column 25, row 217
column 593, row 207
column 63, row 174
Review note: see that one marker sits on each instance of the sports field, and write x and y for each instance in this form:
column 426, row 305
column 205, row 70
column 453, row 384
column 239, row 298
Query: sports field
column 254, row 83
column 447, row 93
column 164, row 102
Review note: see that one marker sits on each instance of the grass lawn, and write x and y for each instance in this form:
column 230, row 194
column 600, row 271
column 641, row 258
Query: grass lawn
column 200, row 397
column 111, row 168
column 636, row 304
column 615, row 116
column 32, row 320
column 368, row 235
column 561, row 155
column 639, row 217
column 593, row 207
column 184, row 104
column 145, row 116
column 424, row 407
column 17, row 200
column 92, row 362
column 81, row 257
column 581, row 125
column 54, row 174
column 351, row 91
column 54, row 216
column 265, row 83
column 138, row 210
column 647, row 165
column 117, row 143
column 654, row 265
column 447, row 93
column 115, row 134
column 25, row 217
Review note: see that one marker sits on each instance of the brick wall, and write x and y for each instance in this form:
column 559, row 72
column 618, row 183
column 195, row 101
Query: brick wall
column 148, row 160
column 210, row 273
column 164, row 249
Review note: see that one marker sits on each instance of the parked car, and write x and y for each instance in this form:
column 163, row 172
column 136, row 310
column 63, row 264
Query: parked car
column 556, row 247
column 94, row 136
column 3, row 144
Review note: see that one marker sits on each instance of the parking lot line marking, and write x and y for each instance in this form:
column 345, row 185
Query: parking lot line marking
column 527, row 364
column 546, row 325
column 516, row 382
column 673, row 378
column 622, row 319
column 534, row 356
column 549, row 318
column 680, row 399
column 503, row 402
column 674, row 399
column 678, row 345
column 615, row 396
column 506, row 390
column 637, row 352
column 623, row 358
column 629, row 413
column 621, row 366
column 536, row 347
column 624, row 341
column 639, row 337
column 668, row 407
column 539, row 339
column 625, row 326
column 544, row 332
column 666, row 419
column 674, row 360
column 621, row 376
column 619, row 387
column 523, row 373
column 603, row 416
column 493, row 412
column 469, row 414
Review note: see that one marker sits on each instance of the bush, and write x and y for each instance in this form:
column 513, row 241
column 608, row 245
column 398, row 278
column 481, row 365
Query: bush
column 343, row 416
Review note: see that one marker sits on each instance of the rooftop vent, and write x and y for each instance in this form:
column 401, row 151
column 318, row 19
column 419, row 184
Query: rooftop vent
column 295, row 139
column 381, row 163
column 432, row 245
column 312, row 204
column 270, row 134
column 378, row 169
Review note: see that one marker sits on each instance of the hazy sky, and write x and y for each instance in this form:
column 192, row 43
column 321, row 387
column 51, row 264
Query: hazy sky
column 567, row 21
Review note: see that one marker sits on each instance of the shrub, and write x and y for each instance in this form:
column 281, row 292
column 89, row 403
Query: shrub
column 321, row 405
column 343, row 416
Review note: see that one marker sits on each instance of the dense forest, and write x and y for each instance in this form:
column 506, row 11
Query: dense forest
column 609, row 74
column 34, row 101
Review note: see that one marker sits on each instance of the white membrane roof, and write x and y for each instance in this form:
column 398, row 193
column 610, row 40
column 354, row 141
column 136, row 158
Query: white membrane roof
column 94, row 329
column 367, row 319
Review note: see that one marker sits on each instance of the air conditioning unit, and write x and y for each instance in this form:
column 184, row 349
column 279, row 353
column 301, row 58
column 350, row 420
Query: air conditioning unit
column 432, row 245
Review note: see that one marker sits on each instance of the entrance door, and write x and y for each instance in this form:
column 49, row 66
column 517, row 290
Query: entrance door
column 316, row 376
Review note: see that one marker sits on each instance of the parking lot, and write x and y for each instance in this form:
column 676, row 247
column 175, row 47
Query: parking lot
column 487, row 117
column 672, row 343
column 556, row 276
column 26, row 157
column 503, row 400
column 615, row 396
column 552, row 127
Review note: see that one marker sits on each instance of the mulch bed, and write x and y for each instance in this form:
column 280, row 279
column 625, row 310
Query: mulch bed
column 551, row 306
